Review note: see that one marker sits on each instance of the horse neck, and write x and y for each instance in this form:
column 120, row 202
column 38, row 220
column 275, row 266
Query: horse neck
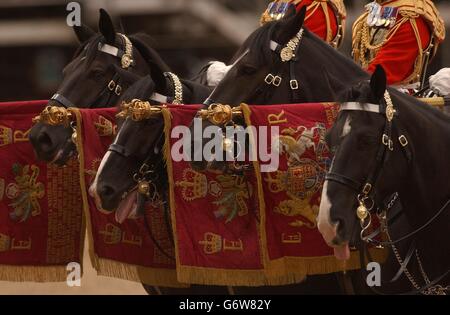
column 315, row 57
column 194, row 93
column 426, row 187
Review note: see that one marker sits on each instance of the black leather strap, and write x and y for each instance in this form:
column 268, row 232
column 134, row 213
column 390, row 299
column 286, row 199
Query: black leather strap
column 62, row 100
column 346, row 181
column 120, row 149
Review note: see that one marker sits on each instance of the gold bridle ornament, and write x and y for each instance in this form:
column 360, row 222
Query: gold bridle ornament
column 220, row 114
column 139, row 110
column 54, row 116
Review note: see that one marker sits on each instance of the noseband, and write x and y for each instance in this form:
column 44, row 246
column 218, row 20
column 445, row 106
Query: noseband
column 366, row 197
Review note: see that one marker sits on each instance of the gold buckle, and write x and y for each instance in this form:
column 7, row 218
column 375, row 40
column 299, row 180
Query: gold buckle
column 277, row 81
column 111, row 85
column 403, row 141
column 118, row 90
column 367, row 188
column 293, row 84
column 269, row 78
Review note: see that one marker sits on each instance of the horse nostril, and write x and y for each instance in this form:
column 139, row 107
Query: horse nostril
column 44, row 141
column 106, row 191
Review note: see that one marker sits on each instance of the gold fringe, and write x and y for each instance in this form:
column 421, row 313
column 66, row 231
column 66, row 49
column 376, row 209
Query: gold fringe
column 262, row 205
column 150, row 276
column 86, row 209
column 224, row 277
column 169, row 166
column 292, row 269
column 33, row 273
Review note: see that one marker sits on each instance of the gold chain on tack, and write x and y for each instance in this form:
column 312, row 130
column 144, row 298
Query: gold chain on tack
column 434, row 290
column 178, row 100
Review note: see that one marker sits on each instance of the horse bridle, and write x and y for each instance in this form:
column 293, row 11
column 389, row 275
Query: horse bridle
column 287, row 53
column 145, row 179
column 114, row 87
column 366, row 193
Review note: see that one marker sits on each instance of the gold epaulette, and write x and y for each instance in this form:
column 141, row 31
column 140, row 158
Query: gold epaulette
column 426, row 9
column 338, row 7
column 408, row 10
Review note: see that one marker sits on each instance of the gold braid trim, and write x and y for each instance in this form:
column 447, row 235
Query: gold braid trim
column 409, row 11
column 339, row 9
column 426, row 9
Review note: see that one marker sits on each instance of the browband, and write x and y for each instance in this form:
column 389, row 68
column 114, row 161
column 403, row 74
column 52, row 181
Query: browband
column 365, row 107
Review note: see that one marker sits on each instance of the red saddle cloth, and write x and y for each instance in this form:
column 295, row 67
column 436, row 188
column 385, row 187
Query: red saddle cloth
column 119, row 250
column 40, row 204
column 260, row 228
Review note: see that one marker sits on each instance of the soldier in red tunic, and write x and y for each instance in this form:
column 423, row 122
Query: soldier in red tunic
column 325, row 18
column 402, row 36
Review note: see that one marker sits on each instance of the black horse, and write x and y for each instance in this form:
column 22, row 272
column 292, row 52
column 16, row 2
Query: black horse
column 140, row 142
column 103, row 67
column 280, row 63
column 137, row 143
column 391, row 154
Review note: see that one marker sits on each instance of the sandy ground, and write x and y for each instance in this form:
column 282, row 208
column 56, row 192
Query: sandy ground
column 90, row 284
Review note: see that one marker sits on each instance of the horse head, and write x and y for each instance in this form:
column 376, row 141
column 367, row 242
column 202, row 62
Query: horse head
column 103, row 67
column 139, row 141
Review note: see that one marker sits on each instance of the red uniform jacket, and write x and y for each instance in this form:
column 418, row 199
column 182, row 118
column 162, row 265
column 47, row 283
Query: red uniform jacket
column 399, row 54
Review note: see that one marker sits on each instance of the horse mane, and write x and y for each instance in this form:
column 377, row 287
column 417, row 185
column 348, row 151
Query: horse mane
column 329, row 53
column 424, row 110
column 254, row 41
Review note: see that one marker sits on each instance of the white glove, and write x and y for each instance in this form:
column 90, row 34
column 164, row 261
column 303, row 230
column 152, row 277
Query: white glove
column 216, row 72
column 440, row 82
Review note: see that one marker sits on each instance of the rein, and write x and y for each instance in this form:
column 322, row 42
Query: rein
column 366, row 198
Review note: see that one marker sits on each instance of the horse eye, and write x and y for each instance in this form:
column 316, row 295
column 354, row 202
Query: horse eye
column 97, row 73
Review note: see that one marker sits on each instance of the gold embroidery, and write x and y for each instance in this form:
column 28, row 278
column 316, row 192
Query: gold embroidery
column 105, row 127
column 8, row 244
column 21, row 136
column 295, row 238
column 6, row 136
column 230, row 192
column 113, row 235
column 215, row 243
column 25, row 193
column 275, row 119
column 92, row 172
column 304, row 177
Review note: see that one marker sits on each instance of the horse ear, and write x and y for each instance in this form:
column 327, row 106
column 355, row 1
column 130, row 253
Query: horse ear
column 378, row 82
column 290, row 25
column 159, row 78
column 83, row 33
column 106, row 27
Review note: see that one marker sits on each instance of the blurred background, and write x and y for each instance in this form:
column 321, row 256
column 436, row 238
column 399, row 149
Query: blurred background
column 36, row 42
